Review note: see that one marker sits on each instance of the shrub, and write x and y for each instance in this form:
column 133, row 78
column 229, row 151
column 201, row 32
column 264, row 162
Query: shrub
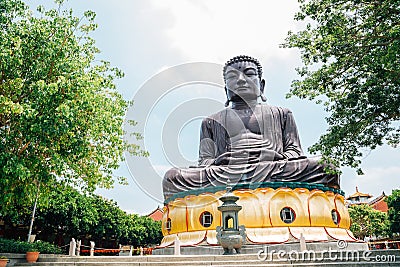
column 16, row 246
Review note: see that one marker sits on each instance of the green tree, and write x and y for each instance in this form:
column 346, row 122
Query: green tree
column 393, row 202
column 68, row 213
column 148, row 231
column 112, row 223
column 365, row 221
column 350, row 51
column 153, row 230
column 60, row 113
column 115, row 224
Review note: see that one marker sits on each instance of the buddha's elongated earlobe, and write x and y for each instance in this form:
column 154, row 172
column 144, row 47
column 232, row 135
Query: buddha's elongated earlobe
column 227, row 97
column 262, row 86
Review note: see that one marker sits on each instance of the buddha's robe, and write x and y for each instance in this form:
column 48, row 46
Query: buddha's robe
column 266, row 148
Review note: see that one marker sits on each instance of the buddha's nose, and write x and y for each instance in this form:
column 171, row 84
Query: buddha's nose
column 241, row 79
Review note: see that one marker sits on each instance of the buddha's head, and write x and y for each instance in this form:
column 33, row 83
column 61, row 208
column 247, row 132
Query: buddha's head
column 243, row 79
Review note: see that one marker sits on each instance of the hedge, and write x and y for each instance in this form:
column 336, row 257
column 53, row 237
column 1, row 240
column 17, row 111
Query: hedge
column 15, row 246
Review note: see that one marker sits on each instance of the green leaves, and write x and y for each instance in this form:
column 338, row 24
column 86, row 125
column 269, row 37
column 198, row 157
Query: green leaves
column 61, row 116
column 365, row 221
column 72, row 214
column 350, row 51
column 13, row 246
column 393, row 202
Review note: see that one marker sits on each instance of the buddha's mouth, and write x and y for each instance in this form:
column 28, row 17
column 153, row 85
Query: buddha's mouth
column 242, row 88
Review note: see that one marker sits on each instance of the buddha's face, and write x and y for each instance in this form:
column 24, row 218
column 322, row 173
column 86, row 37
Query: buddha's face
column 242, row 81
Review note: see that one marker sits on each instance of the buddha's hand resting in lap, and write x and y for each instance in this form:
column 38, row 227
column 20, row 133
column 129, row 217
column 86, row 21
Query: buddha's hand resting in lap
column 241, row 157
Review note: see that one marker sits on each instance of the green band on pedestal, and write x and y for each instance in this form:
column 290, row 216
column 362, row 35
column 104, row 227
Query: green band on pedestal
column 273, row 185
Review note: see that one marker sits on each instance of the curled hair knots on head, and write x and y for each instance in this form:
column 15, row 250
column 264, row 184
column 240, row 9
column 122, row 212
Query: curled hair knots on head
column 242, row 58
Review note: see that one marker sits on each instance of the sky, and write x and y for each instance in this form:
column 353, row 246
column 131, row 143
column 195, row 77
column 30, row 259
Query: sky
column 172, row 53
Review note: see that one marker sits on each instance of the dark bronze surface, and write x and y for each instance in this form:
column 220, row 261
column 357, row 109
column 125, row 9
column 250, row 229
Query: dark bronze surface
column 248, row 142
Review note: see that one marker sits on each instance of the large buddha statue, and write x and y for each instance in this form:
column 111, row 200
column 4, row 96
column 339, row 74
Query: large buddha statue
column 248, row 141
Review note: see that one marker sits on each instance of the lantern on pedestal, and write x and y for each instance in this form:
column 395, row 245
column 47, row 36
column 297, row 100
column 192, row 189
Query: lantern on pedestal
column 230, row 236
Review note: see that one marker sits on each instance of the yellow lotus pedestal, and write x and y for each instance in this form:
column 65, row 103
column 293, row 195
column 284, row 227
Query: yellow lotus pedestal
column 271, row 215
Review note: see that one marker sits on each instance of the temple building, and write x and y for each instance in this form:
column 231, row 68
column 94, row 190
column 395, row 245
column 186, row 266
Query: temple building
column 377, row 203
column 156, row 214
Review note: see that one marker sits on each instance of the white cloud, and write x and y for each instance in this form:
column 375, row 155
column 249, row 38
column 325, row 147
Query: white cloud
column 217, row 30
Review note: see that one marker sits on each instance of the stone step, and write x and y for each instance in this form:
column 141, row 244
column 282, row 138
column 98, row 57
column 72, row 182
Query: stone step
column 225, row 264
column 388, row 257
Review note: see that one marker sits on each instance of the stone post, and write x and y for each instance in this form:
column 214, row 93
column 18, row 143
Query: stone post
column 72, row 247
column 91, row 248
column 302, row 243
column 78, row 247
column 177, row 246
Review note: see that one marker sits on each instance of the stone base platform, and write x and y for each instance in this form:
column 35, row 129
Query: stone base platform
column 372, row 258
column 263, row 249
